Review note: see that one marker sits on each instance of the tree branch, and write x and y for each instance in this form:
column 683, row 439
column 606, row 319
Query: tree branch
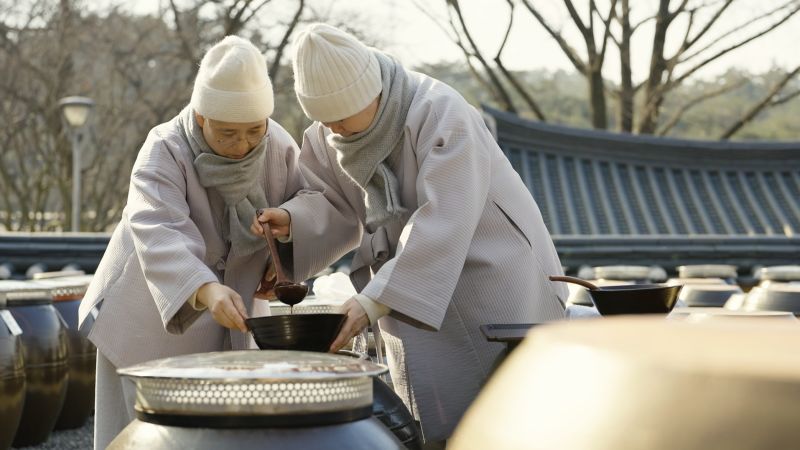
column 765, row 102
column 532, row 104
column 187, row 48
column 586, row 32
column 737, row 29
column 672, row 15
column 508, row 29
column 276, row 62
column 726, row 50
column 501, row 90
column 607, row 33
column 690, row 42
column 232, row 17
column 572, row 55
column 509, row 76
column 678, row 115
column 436, row 20
column 642, row 22
column 455, row 38
column 785, row 98
column 254, row 11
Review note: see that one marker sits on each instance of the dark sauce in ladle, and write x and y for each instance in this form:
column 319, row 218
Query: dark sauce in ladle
column 286, row 291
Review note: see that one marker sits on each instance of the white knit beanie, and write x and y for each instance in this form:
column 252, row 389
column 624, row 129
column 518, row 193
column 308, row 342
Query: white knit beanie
column 232, row 84
column 335, row 75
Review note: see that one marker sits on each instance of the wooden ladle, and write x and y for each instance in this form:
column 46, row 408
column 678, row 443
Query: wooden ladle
column 582, row 282
column 286, row 291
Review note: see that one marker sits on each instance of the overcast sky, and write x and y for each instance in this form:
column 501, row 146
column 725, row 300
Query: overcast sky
column 413, row 37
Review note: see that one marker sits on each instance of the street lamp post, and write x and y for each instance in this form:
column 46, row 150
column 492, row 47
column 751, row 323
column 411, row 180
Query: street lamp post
column 76, row 111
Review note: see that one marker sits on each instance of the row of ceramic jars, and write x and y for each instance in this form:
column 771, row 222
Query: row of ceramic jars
column 41, row 355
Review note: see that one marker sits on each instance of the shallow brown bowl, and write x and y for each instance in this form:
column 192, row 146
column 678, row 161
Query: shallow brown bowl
column 309, row 332
column 635, row 299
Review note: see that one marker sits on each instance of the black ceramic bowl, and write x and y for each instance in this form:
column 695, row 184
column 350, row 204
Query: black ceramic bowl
column 309, row 332
column 635, row 299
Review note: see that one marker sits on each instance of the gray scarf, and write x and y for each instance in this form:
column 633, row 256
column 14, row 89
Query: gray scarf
column 236, row 180
column 363, row 155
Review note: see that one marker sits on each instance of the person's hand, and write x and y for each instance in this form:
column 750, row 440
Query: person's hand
column 354, row 323
column 225, row 304
column 279, row 222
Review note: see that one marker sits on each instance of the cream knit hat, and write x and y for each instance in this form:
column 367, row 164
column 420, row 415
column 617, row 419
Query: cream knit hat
column 335, row 75
column 232, row 84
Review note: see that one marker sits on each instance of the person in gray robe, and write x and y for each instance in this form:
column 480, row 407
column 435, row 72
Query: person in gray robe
column 446, row 235
column 181, row 268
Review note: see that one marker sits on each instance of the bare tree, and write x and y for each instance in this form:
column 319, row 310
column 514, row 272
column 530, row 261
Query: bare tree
column 696, row 26
column 683, row 109
column 529, row 100
column 277, row 60
column 626, row 93
column 140, row 74
column 459, row 34
column 668, row 72
column 36, row 157
column 235, row 15
column 591, row 66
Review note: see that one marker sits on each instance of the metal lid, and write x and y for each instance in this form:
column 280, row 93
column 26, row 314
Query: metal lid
column 629, row 273
column 688, row 281
column 779, row 273
column 263, row 387
column 16, row 293
column 708, row 313
column 57, row 274
column 707, row 271
column 732, row 288
column 775, row 297
column 275, row 365
column 66, row 287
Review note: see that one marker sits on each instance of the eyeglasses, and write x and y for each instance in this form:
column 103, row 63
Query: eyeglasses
column 252, row 138
column 229, row 138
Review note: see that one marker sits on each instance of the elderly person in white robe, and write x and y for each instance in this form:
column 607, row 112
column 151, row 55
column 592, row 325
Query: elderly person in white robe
column 181, row 268
column 447, row 236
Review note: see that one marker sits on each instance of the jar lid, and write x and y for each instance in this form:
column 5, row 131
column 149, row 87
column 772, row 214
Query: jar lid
column 65, row 288
column 57, row 274
column 260, row 387
column 622, row 272
column 20, row 293
column 717, row 384
column 779, row 273
column 279, row 365
column 707, row 271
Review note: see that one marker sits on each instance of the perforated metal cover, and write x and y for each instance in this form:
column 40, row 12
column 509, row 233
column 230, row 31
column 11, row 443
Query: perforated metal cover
column 309, row 305
column 249, row 383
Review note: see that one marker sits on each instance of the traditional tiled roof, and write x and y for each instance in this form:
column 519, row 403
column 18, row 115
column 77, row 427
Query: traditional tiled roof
column 23, row 254
column 611, row 198
column 595, row 183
